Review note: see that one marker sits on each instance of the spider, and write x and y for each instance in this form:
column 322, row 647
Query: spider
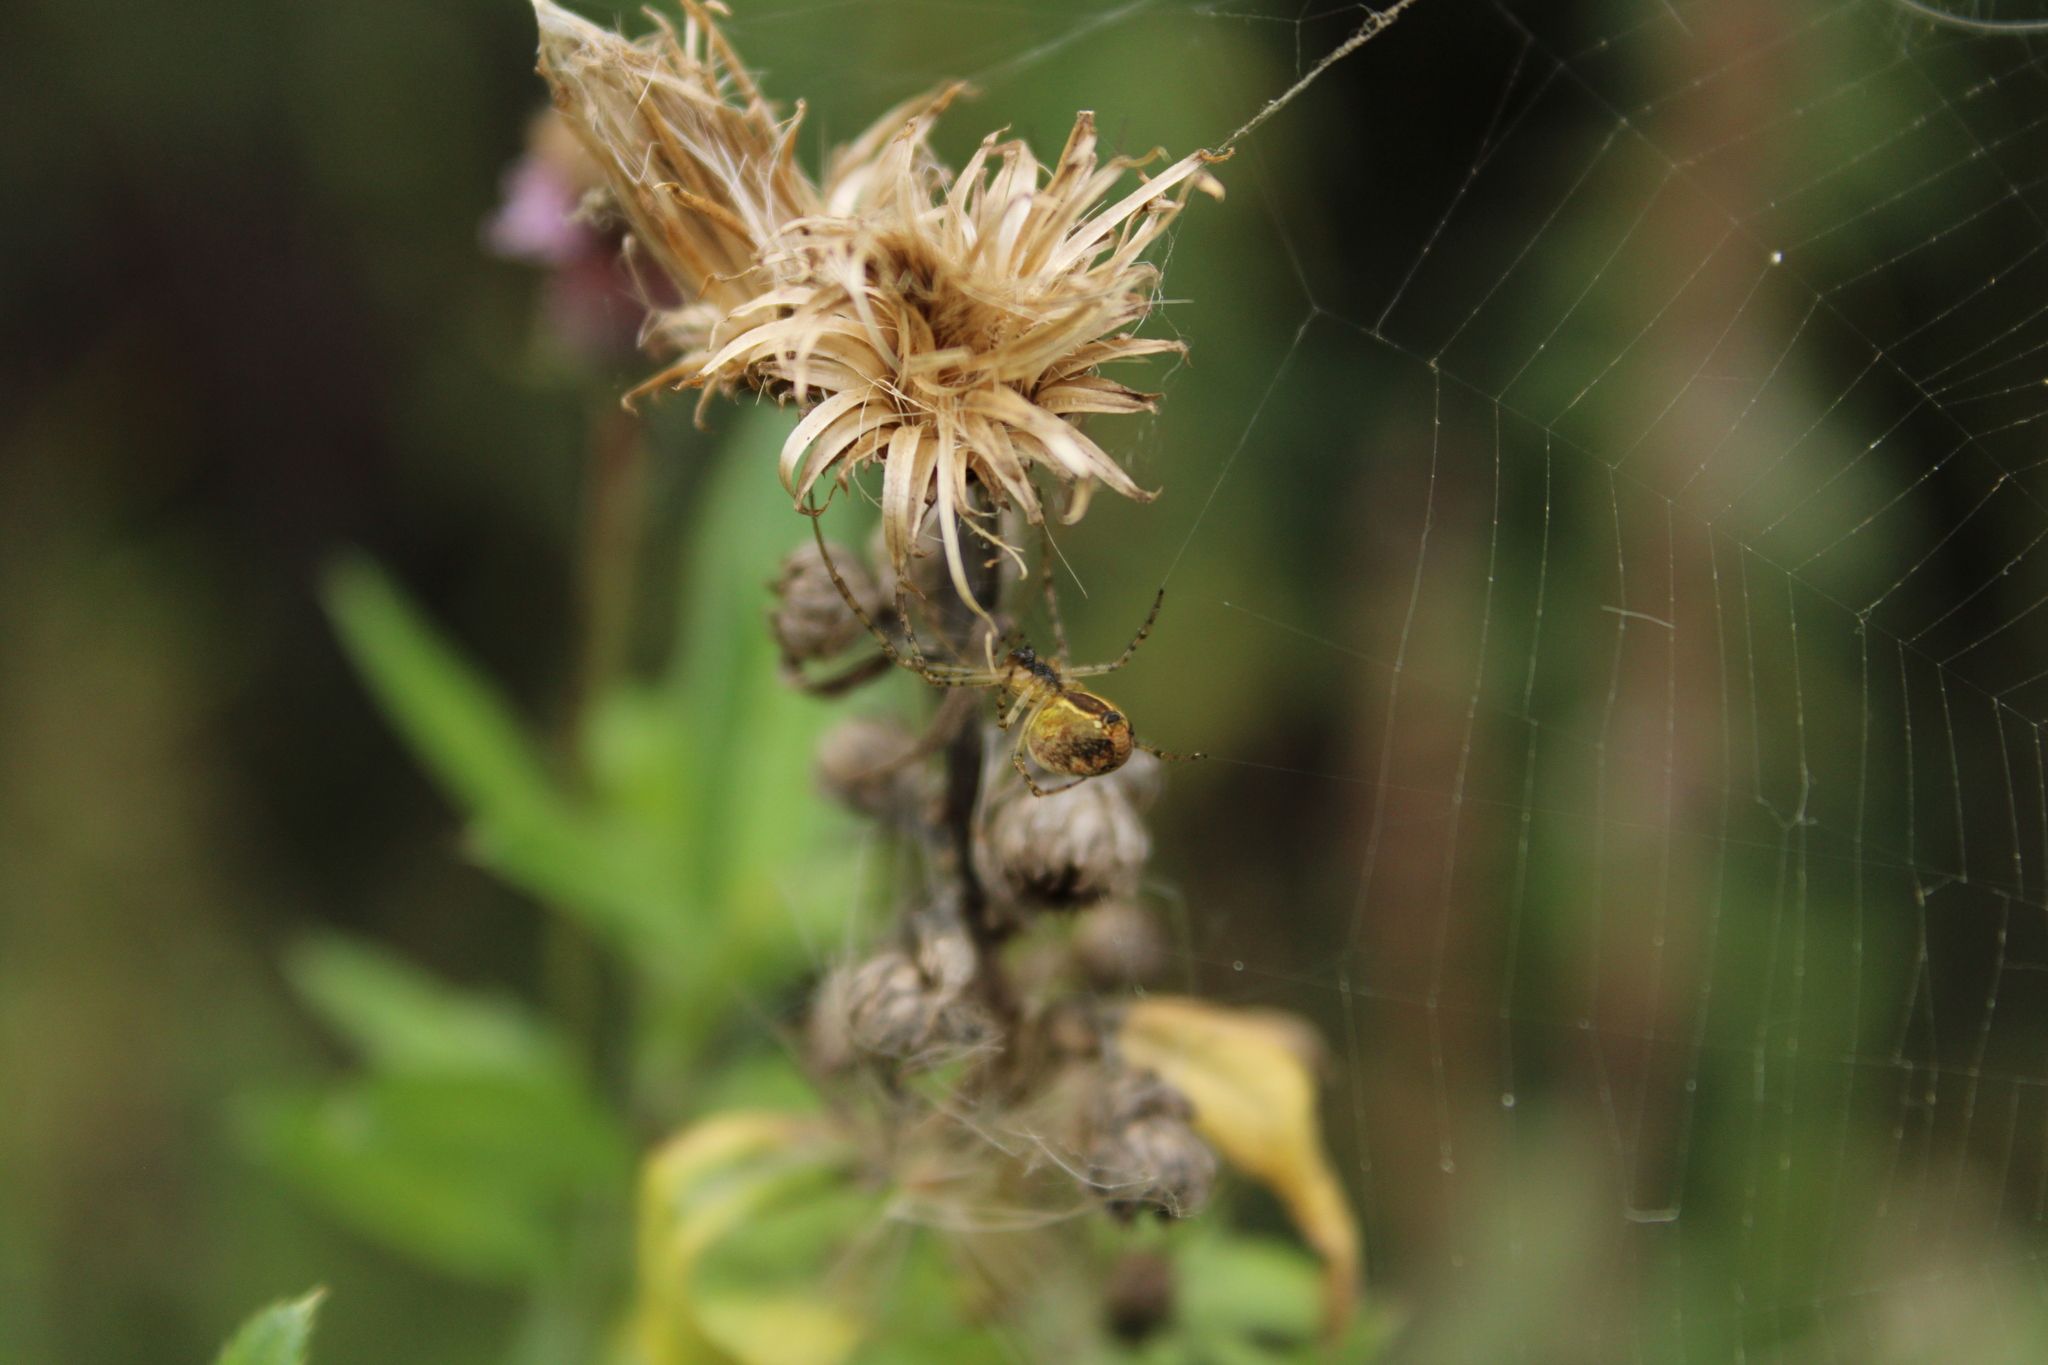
column 1065, row 728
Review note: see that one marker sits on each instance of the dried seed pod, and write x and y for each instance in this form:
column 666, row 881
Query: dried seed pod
column 891, row 1006
column 1071, row 1030
column 870, row 765
column 1139, row 1298
column 811, row 620
column 1146, row 1153
column 900, row 1006
column 1071, row 848
column 1118, row 946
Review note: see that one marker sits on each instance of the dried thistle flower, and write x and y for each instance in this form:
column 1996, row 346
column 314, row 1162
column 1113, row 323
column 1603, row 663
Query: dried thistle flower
column 1145, row 1153
column 909, row 1007
column 869, row 764
column 692, row 154
column 946, row 327
column 811, row 619
column 1073, row 847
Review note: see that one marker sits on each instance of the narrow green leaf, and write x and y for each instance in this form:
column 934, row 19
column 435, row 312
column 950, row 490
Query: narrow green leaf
column 277, row 1335
column 772, row 859
column 525, row 828
column 481, row 1177
column 405, row 1020
column 456, row 720
column 473, row 1141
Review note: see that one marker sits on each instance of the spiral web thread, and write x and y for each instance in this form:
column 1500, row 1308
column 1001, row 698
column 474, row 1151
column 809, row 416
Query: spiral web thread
column 1693, row 964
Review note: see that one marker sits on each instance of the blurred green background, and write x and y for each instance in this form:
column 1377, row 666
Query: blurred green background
column 1655, row 965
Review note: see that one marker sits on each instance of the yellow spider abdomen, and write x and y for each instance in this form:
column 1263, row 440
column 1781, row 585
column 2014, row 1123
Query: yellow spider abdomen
column 1078, row 734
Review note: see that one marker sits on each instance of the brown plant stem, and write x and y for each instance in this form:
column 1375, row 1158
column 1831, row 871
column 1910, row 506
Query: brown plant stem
column 614, row 515
column 965, row 757
column 573, row 976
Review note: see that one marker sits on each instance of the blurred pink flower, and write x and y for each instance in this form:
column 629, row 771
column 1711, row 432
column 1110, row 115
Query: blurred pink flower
column 591, row 305
column 535, row 221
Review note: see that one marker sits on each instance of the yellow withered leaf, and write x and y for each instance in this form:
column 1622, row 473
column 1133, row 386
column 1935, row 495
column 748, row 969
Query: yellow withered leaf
column 1249, row 1075
column 701, row 1186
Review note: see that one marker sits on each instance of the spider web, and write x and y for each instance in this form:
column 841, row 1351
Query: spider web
column 1663, row 850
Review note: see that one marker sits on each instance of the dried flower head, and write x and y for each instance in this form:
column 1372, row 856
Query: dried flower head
column 1073, row 847
column 869, row 764
column 811, row 619
column 945, row 327
column 904, row 1006
column 1146, row 1153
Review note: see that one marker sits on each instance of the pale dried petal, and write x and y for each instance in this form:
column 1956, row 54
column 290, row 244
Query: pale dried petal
column 961, row 317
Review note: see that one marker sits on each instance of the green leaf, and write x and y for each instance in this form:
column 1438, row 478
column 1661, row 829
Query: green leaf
column 277, row 1335
column 457, row 721
column 929, row 1311
column 482, row 1177
column 1248, row 1287
column 702, row 780
column 473, row 1142
column 524, row 826
column 404, row 1020
column 1246, row 1300
column 700, row 850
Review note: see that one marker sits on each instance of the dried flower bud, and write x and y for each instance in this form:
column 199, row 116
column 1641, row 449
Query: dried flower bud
column 867, row 764
column 1139, row 1298
column 1070, row 1030
column 811, row 620
column 1118, row 946
column 899, row 1006
column 1145, row 1153
column 891, row 1006
column 1072, row 848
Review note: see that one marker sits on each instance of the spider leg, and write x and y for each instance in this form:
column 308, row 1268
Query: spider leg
column 1096, row 670
column 942, row 675
column 816, row 513
column 945, row 724
column 916, row 661
column 1169, row 757
column 837, row 683
column 1017, row 758
column 1016, row 709
column 909, row 626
